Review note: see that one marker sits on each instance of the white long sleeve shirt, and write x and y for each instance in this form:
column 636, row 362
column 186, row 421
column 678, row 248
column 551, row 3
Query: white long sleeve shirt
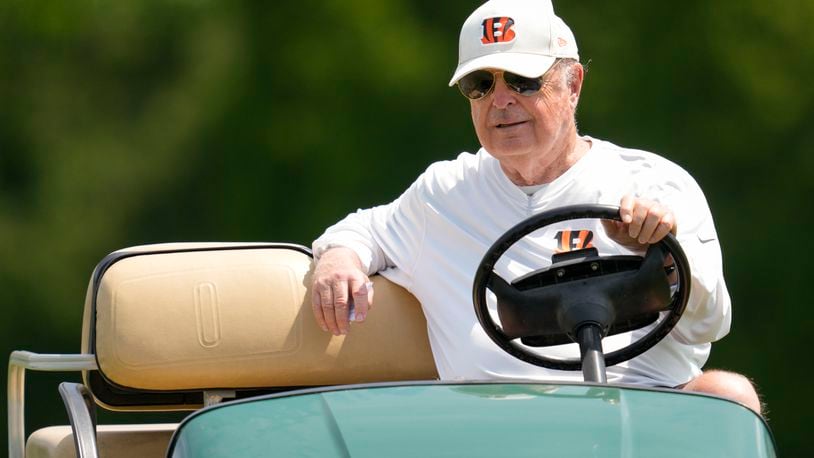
column 431, row 239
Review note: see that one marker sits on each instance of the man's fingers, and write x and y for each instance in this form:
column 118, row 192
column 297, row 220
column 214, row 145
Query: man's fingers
column 664, row 227
column 616, row 230
column 643, row 221
column 341, row 305
column 359, row 295
column 638, row 215
column 370, row 292
column 626, row 208
column 331, row 304
column 336, row 271
column 651, row 223
column 316, row 306
column 326, row 300
column 362, row 298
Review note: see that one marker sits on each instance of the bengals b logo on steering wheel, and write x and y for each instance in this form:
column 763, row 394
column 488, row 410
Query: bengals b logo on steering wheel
column 569, row 240
column 497, row 30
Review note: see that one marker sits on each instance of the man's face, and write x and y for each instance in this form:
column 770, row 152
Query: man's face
column 509, row 124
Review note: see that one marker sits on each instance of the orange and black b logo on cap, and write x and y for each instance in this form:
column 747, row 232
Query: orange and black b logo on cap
column 497, row 30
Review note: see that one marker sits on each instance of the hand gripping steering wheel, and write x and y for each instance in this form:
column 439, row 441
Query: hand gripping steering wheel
column 582, row 297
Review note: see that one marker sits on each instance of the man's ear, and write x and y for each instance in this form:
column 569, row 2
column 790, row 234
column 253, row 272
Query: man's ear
column 574, row 81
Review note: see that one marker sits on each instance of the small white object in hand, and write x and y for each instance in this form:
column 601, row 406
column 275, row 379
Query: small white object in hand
column 365, row 289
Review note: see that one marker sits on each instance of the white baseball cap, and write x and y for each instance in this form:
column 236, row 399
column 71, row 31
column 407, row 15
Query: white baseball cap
column 520, row 36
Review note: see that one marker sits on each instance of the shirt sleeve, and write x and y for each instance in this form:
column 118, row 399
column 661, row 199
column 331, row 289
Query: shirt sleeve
column 354, row 232
column 708, row 315
column 387, row 236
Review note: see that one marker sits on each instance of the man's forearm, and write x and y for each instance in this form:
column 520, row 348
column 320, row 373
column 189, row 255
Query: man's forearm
column 353, row 232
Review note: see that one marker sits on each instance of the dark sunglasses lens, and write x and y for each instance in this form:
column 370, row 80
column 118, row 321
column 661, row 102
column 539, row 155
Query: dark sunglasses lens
column 521, row 84
column 476, row 84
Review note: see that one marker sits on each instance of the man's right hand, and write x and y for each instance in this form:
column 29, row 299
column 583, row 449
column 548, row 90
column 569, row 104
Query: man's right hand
column 339, row 282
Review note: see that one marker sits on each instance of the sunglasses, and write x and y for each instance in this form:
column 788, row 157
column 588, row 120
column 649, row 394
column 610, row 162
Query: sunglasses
column 479, row 84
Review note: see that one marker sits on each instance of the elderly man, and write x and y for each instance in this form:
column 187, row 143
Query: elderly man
column 519, row 67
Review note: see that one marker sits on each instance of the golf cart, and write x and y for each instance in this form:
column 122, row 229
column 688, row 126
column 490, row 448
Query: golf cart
column 226, row 330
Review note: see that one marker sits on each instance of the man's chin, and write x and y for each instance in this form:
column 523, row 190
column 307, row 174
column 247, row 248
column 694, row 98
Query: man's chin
column 509, row 147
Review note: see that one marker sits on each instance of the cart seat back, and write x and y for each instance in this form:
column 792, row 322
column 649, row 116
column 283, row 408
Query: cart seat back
column 169, row 323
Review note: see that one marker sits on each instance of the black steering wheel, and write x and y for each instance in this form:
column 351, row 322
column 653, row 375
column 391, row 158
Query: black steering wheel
column 581, row 291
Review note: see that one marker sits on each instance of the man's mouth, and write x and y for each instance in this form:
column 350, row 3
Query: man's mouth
column 509, row 124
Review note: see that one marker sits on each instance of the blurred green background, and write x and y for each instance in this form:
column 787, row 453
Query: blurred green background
column 125, row 123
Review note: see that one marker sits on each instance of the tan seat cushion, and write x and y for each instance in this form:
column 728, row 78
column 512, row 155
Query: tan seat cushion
column 114, row 441
column 241, row 318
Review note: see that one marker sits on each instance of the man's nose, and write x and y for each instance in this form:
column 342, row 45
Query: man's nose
column 503, row 96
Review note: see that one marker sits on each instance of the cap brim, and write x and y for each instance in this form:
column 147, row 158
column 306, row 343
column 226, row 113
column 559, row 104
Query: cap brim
column 523, row 64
